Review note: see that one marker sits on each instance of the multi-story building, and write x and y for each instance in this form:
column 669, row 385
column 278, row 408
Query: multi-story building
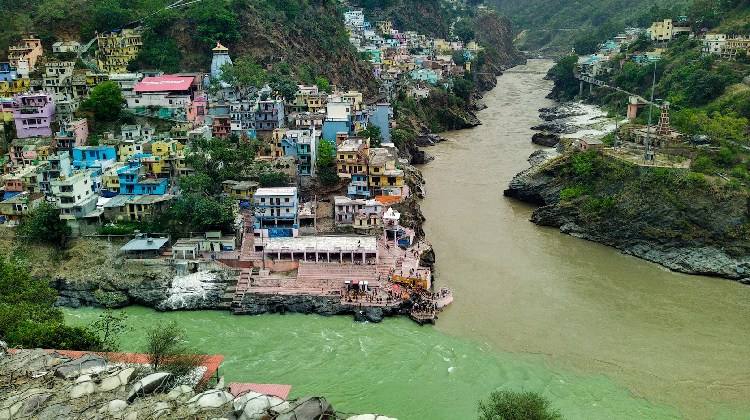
column 668, row 29
column 222, row 126
column 17, row 207
column 74, row 195
column 58, row 79
column 66, row 47
column 307, row 152
column 72, row 134
column 58, row 165
column 143, row 208
column 713, row 43
column 384, row 177
column 351, row 157
column 25, row 55
column 360, row 213
column 276, row 212
column 117, row 49
column 167, row 96
column 133, row 180
column 33, row 114
column 242, row 113
column 269, row 115
column 733, row 46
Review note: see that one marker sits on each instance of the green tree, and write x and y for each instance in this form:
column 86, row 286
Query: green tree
column 159, row 52
column 28, row 317
column 562, row 73
column 213, row 22
column 323, row 84
column 510, row 405
column 273, row 179
column 109, row 328
column 245, row 73
column 105, row 102
column 283, row 86
column 43, row 225
column 326, row 154
column 214, row 161
column 374, row 134
column 168, row 350
column 464, row 29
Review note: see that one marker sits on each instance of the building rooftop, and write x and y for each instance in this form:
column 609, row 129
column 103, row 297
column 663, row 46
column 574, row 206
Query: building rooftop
column 313, row 243
column 145, row 244
column 276, row 191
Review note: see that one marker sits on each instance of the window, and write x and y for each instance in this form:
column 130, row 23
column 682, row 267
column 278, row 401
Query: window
column 286, row 200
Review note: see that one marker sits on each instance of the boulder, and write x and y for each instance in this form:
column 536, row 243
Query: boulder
column 308, row 408
column 252, row 406
column 113, row 407
column 150, row 384
column 34, row 403
column 82, row 389
column 116, row 380
column 55, row 412
column 88, row 363
column 210, row 399
column 181, row 393
column 161, row 409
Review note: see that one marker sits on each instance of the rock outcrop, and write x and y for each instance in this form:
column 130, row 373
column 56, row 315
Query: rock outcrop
column 673, row 218
column 36, row 392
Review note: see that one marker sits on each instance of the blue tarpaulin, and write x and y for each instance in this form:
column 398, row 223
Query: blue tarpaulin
column 10, row 194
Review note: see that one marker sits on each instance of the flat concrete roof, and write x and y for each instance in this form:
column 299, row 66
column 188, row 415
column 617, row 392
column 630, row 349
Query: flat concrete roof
column 143, row 244
column 276, row 191
column 321, row 243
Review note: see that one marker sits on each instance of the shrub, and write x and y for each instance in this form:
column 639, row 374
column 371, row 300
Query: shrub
column 510, row 405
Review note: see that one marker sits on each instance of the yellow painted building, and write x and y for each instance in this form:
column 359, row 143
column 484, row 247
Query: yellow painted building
column 277, row 150
column 110, row 178
column 351, row 157
column 155, row 165
column 382, row 171
column 8, row 89
column 166, row 148
column 117, row 49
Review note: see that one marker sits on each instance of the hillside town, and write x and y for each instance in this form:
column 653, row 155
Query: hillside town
column 644, row 47
column 288, row 238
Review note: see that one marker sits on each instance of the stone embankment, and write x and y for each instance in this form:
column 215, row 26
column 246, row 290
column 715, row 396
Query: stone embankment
column 44, row 385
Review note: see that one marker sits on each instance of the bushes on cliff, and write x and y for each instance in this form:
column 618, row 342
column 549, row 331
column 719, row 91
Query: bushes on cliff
column 28, row 317
column 43, row 225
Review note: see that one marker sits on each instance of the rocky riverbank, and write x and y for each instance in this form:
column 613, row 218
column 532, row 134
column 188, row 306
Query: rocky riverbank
column 684, row 223
column 54, row 386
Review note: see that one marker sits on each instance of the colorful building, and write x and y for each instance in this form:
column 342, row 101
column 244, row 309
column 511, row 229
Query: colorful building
column 72, row 134
column 117, row 49
column 276, row 212
column 25, row 55
column 33, row 114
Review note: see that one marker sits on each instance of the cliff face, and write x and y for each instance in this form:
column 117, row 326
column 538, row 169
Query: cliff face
column 496, row 32
column 679, row 220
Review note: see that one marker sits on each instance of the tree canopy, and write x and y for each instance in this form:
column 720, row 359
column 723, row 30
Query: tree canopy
column 374, row 134
column 510, row 405
column 28, row 317
column 105, row 102
column 43, row 225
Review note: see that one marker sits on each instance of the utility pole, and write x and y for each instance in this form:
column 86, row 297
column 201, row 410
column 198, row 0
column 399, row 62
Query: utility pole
column 650, row 111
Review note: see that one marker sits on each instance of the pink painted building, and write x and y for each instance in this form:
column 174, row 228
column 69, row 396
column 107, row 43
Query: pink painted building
column 196, row 110
column 72, row 134
column 33, row 113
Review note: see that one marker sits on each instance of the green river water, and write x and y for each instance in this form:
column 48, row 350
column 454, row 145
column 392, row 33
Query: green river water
column 603, row 335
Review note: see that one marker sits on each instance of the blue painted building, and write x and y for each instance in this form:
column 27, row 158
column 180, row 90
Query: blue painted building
column 380, row 115
column 133, row 182
column 94, row 157
column 358, row 187
column 7, row 73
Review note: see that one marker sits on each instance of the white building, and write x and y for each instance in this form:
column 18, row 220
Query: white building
column 66, row 46
column 74, row 195
column 276, row 212
column 361, row 214
column 713, row 43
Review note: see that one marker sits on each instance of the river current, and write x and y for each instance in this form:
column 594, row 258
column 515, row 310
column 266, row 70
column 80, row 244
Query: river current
column 601, row 334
